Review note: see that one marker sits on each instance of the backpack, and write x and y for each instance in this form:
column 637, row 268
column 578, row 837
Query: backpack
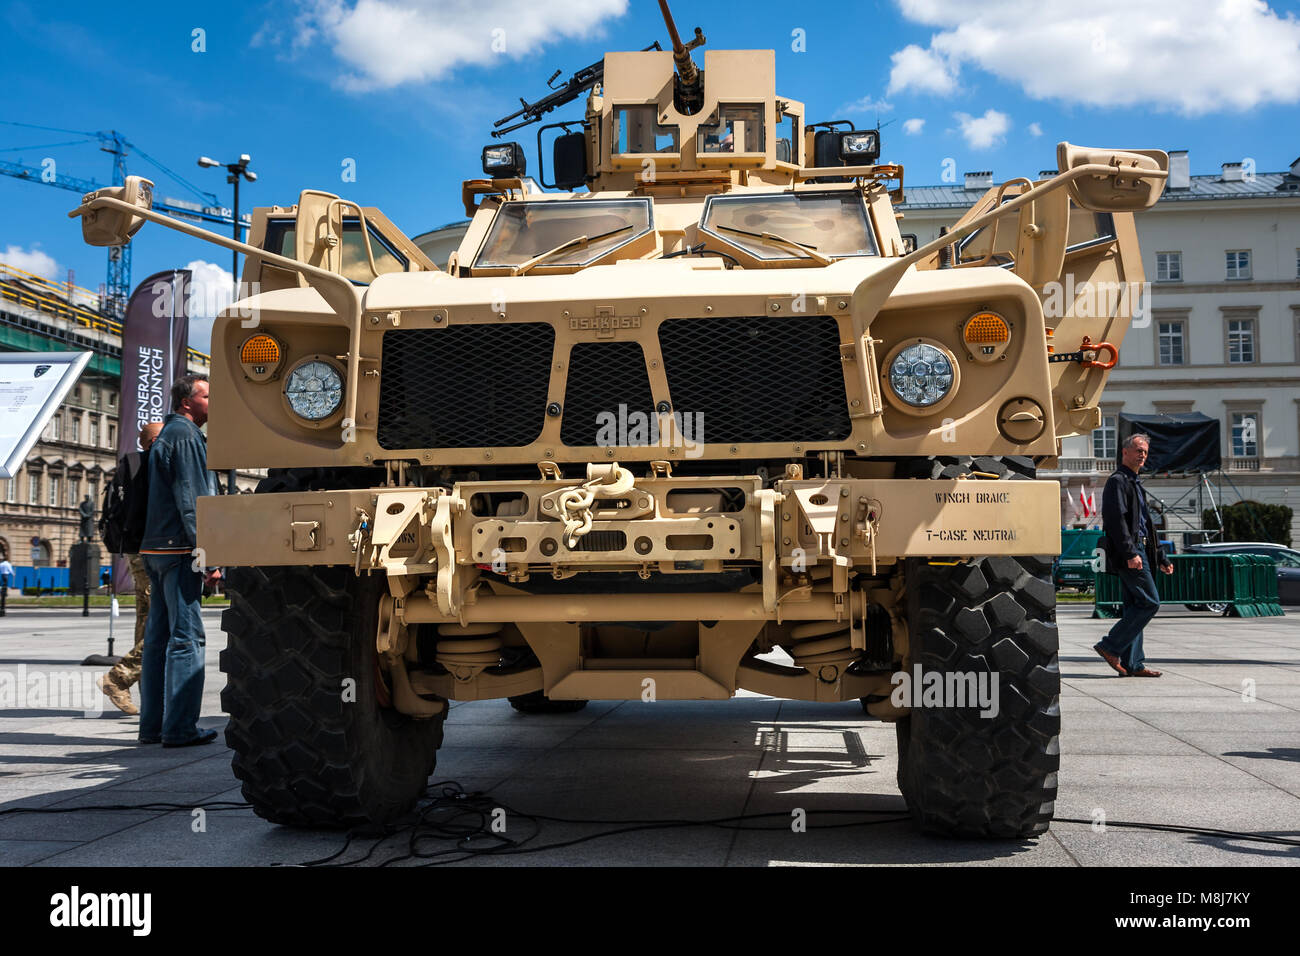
column 126, row 499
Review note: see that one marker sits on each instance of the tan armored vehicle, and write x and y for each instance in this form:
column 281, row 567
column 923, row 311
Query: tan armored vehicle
column 696, row 420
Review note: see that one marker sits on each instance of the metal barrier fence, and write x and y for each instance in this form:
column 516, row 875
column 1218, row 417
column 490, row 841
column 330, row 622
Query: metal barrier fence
column 1246, row 583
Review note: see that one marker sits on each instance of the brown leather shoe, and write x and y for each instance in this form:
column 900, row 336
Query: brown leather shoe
column 1110, row 659
column 1145, row 672
column 120, row 696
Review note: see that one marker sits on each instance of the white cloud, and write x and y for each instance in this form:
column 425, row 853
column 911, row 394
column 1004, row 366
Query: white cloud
column 1193, row 56
column 385, row 43
column 983, row 132
column 33, row 260
column 1035, row 129
column 867, row 105
column 913, row 127
column 923, row 70
column 211, row 290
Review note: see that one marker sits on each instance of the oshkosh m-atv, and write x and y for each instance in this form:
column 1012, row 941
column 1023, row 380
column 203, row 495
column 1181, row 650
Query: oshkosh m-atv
column 697, row 405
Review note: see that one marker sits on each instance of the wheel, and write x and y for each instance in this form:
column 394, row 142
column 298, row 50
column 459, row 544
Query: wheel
column 1217, row 607
column 962, row 774
column 315, row 742
column 539, row 703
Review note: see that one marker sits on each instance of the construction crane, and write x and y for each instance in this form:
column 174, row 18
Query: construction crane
column 117, row 287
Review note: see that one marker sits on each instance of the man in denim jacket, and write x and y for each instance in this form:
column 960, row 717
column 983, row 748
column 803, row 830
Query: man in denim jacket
column 171, row 682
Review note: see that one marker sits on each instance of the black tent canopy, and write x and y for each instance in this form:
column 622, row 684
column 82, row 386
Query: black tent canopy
column 1186, row 442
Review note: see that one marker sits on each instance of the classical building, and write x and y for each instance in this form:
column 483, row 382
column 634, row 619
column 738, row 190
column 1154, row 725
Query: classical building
column 77, row 452
column 1222, row 254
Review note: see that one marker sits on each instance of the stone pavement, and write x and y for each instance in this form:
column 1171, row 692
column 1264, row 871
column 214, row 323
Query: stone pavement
column 1214, row 743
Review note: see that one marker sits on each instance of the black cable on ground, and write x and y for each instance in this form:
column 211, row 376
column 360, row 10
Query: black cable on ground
column 467, row 819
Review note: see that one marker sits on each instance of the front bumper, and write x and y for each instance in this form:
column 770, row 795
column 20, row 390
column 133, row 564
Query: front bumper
column 443, row 542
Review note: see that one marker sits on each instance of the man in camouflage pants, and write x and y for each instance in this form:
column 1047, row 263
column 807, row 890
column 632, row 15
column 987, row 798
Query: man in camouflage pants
column 116, row 684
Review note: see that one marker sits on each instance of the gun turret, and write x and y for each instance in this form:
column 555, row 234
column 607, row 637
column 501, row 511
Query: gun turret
column 688, row 94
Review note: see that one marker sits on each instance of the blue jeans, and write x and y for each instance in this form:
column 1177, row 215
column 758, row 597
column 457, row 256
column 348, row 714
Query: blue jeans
column 1141, row 601
column 171, row 671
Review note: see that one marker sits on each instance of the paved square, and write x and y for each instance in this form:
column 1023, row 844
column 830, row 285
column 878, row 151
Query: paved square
column 1214, row 743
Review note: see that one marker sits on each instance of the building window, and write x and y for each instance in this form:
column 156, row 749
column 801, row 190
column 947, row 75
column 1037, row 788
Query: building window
column 11, row 490
column 1172, row 337
column 56, row 426
column 34, row 489
column 74, row 492
column 55, row 488
column 92, row 488
column 1241, row 341
column 1169, row 267
column 1239, row 264
column 75, row 434
column 1104, row 439
column 112, row 399
column 112, row 435
column 94, row 430
column 1245, row 434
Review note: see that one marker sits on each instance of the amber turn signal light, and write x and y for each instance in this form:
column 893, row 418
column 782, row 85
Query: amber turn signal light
column 260, row 356
column 987, row 328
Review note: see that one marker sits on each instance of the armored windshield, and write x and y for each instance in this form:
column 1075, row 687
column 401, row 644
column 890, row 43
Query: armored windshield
column 832, row 223
column 523, row 231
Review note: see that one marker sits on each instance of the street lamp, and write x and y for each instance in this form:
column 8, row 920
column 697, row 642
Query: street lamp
column 235, row 172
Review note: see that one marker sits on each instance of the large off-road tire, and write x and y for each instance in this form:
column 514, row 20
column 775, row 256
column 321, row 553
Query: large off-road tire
column 961, row 774
column 539, row 703
column 314, row 741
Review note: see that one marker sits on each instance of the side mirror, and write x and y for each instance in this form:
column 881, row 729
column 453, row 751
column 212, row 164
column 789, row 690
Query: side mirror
column 1136, row 182
column 115, row 227
column 569, row 156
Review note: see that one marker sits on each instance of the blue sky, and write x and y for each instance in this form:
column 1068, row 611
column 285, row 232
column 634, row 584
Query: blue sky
column 408, row 90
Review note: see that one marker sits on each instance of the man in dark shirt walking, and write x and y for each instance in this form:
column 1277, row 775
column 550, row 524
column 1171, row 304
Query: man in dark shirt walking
column 171, row 682
column 1131, row 550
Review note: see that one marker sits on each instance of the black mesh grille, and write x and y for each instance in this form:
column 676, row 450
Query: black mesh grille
column 603, row 376
column 465, row 386
column 602, row 541
column 757, row 379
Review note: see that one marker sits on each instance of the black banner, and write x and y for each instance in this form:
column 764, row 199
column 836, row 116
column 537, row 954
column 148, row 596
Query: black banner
column 155, row 349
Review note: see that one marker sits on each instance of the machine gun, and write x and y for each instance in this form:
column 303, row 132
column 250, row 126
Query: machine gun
column 688, row 92
column 567, row 92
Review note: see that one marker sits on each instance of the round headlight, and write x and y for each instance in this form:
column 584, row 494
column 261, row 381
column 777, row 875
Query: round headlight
column 314, row 390
column 921, row 375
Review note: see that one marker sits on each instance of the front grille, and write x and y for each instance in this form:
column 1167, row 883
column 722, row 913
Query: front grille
column 464, row 386
column 602, row 377
column 756, row 378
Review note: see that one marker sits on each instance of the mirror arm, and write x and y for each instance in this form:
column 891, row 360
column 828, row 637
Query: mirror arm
column 338, row 293
column 872, row 291
column 1056, row 182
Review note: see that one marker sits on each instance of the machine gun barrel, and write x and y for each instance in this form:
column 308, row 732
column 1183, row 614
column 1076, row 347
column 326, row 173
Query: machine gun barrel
column 581, row 81
column 688, row 76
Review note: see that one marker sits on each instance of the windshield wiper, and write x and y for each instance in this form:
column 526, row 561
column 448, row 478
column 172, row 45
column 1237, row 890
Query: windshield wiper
column 776, row 240
column 577, row 243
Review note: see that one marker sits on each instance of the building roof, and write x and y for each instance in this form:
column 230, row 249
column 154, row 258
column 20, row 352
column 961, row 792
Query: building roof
column 1263, row 186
